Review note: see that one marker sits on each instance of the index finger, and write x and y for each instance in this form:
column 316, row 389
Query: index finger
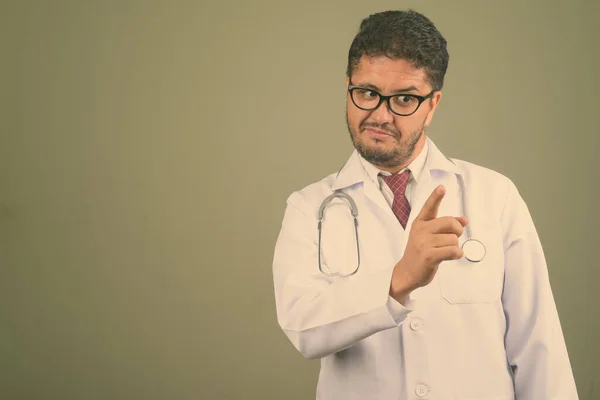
column 431, row 206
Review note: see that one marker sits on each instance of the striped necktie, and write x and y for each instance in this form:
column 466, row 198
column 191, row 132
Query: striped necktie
column 397, row 183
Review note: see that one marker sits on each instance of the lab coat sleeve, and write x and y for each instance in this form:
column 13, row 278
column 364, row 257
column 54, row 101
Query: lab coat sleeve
column 321, row 315
column 534, row 341
column 397, row 310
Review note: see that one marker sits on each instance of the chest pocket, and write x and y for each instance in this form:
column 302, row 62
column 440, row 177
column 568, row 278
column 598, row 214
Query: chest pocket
column 462, row 281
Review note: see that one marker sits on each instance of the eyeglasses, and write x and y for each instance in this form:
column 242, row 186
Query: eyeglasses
column 400, row 104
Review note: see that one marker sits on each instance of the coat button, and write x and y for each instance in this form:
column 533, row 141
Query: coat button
column 416, row 324
column 421, row 390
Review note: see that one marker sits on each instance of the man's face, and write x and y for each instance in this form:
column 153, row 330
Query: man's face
column 381, row 137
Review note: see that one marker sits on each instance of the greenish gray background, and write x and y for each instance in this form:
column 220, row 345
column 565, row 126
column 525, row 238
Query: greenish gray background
column 147, row 150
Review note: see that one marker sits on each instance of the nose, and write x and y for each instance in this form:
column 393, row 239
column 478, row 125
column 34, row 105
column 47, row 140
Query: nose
column 382, row 114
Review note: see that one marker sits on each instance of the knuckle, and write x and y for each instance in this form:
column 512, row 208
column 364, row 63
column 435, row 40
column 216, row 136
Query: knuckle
column 429, row 258
column 450, row 224
column 457, row 227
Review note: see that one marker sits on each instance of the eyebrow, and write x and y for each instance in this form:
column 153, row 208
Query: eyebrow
column 403, row 90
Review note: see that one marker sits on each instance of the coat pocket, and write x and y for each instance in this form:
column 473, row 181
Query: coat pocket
column 462, row 281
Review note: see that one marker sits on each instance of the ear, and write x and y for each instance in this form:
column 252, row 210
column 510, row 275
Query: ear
column 435, row 100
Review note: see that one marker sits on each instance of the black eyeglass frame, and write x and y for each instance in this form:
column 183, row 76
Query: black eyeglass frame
column 383, row 98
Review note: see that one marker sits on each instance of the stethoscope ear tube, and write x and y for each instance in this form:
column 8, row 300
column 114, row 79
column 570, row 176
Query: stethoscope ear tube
column 354, row 211
column 337, row 193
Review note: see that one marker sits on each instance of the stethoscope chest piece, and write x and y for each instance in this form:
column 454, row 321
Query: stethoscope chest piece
column 474, row 250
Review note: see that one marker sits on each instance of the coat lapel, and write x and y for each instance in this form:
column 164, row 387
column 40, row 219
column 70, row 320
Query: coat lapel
column 354, row 174
column 438, row 169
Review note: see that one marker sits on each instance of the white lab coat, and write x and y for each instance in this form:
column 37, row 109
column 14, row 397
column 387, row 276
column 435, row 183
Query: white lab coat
column 478, row 331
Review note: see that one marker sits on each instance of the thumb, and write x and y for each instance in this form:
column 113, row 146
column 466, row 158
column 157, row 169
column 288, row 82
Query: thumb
column 463, row 220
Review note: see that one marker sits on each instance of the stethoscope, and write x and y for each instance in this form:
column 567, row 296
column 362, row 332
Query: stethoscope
column 474, row 250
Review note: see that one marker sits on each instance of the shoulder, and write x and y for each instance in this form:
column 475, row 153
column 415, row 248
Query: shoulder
column 502, row 200
column 499, row 192
column 485, row 178
column 479, row 171
column 308, row 198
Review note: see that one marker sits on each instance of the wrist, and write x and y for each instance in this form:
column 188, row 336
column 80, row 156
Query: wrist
column 399, row 293
column 400, row 287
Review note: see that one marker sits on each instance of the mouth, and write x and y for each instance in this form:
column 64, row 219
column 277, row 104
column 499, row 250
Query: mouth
column 377, row 133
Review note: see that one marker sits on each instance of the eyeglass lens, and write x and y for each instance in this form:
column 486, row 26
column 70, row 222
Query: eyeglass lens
column 401, row 104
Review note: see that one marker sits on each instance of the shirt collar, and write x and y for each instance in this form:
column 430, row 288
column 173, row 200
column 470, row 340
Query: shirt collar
column 353, row 171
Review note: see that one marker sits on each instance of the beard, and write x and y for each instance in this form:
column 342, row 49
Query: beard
column 389, row 158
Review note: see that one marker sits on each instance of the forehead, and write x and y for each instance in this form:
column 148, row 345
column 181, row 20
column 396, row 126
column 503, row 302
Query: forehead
column 386, row 73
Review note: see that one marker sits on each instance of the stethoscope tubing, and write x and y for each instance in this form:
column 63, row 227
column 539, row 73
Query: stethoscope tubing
column 469, row 255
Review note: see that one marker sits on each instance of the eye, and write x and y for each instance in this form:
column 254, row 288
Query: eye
column 404, row 100
column 366, row 93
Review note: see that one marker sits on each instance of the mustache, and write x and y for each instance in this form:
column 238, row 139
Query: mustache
column 384, row 128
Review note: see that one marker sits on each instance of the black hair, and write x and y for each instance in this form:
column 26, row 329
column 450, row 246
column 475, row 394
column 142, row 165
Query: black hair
column 406, row 35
